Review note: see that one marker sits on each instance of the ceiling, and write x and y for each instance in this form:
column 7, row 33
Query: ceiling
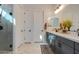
column 39, row 6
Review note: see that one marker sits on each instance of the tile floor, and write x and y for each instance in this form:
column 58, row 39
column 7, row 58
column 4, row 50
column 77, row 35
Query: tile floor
column 32, row 48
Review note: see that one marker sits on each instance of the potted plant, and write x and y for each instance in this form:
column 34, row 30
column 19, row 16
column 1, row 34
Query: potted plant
column 67, row 24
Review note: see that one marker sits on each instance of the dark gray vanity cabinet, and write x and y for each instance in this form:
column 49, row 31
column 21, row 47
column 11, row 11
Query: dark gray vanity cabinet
column 47, row 37
column 50, row 38
column 67, row 49
column 76, row 48
column 64, row 46
column 60, row 45
column 67, row 46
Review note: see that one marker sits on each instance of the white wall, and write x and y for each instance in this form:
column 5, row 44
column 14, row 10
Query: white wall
column 19, row 26
column 71, row 11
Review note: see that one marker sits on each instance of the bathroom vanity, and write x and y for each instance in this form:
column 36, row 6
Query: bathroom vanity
column 63, row 43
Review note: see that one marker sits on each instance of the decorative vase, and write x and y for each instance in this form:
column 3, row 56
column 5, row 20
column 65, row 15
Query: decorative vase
column 68, row 28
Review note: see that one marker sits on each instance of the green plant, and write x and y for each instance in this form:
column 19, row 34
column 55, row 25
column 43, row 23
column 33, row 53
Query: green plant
column 67, row 23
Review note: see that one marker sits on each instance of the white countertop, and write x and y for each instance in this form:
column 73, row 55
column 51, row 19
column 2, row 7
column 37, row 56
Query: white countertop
column 69, row 35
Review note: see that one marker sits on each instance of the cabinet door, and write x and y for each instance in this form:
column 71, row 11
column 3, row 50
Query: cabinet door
column 47, row 34
column 62, row 48
column 67, row 42
column 67, row 50
column 77, row 46
column 58, row 46
column 50, row 38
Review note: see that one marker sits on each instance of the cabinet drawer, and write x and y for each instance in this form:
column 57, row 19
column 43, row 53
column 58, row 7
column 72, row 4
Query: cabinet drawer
column 77, row 46
column 67, row 42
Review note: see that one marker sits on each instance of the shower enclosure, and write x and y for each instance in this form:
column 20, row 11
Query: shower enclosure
column 6, row 28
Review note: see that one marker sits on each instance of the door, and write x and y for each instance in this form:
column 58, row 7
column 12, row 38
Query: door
column 28, row 26
column 38, row 26
column 33, row 25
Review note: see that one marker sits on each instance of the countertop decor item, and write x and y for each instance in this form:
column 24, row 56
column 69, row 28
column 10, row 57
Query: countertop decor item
column 63, row 27
column 67, row 23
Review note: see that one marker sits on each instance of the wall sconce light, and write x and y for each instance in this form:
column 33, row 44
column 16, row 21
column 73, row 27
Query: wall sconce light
column 59, row 8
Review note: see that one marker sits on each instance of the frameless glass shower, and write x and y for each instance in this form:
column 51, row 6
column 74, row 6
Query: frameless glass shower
column 6, row 28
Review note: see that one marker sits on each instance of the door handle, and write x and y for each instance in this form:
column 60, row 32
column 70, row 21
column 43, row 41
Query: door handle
column 30, row 30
